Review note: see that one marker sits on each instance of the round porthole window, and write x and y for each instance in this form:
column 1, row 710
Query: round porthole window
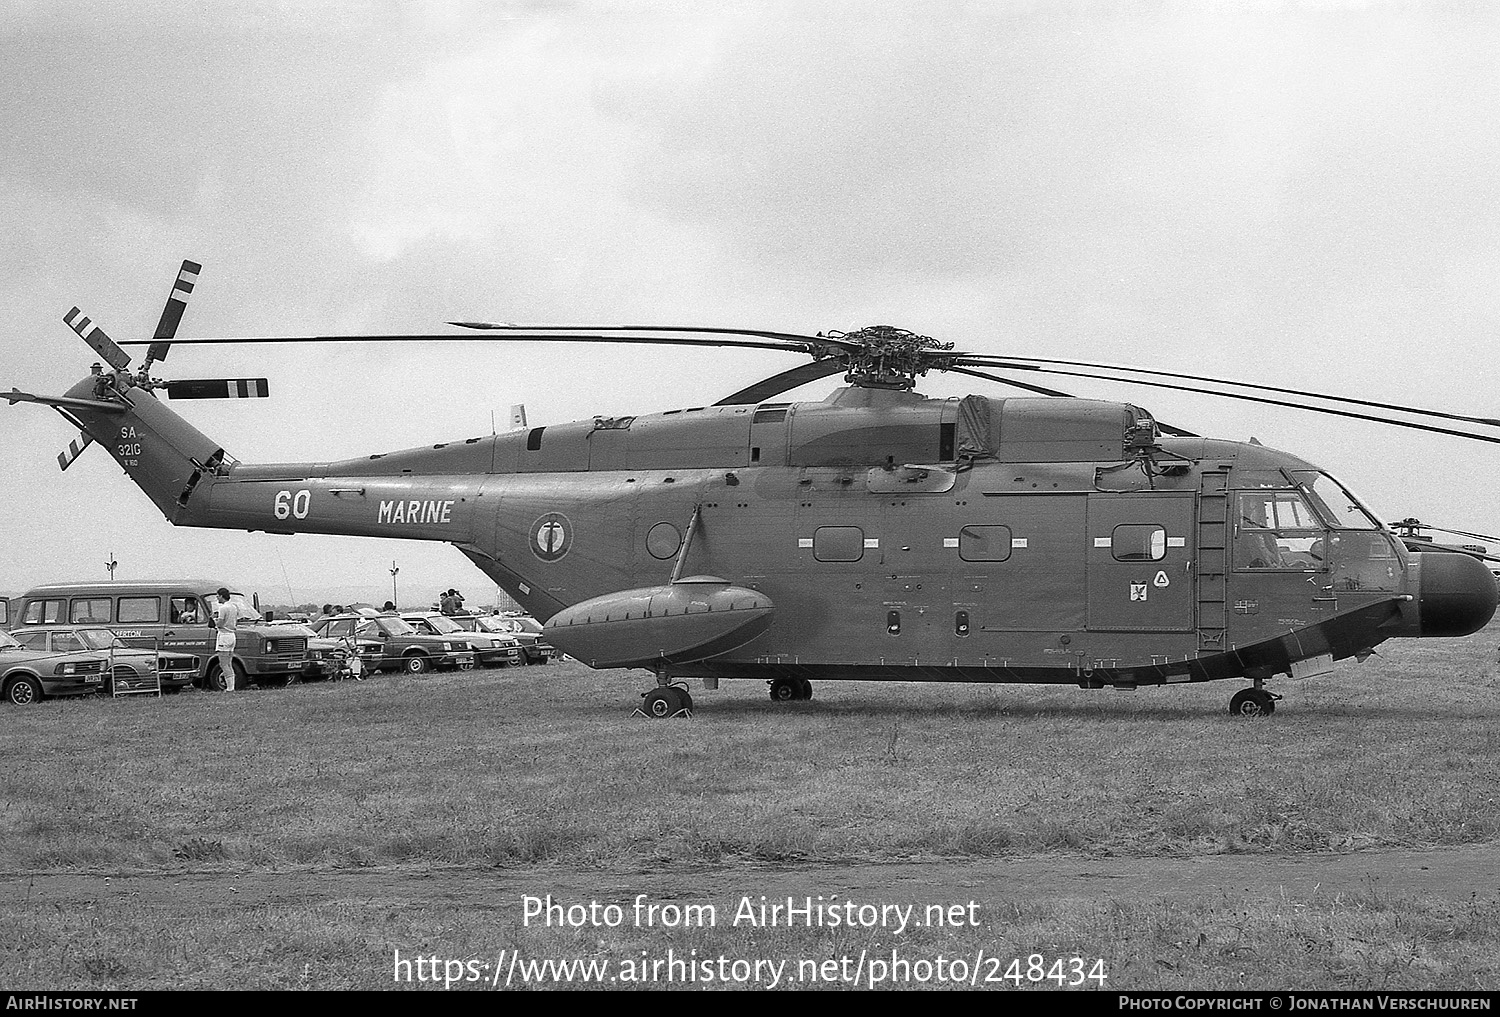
column 663, row 540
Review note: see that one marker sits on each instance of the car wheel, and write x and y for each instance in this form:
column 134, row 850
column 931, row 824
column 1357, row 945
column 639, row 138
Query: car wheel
column 416, row 664
column 23, row 691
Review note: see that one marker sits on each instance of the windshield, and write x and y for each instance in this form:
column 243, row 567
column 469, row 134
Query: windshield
column 467, row 624
column 100, row 639
column 443, row 624
column 395, row 627
column 1342, row 510
column 248, row 614
column 492, row 624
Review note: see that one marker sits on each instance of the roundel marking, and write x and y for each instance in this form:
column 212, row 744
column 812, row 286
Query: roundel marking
column 551, row 536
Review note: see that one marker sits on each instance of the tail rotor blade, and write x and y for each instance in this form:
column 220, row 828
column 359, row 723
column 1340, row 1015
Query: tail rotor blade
column 171, row 314
column 75, row 449
column 219, row 388
column 97, row 338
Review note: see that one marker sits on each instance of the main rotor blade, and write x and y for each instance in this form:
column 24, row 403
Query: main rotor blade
column 783, row 382
column 449, row 338
column 1175, row 432
column 1039, row 390
column 790, row 337
column 1488, row 421
column 1459, row 533
column 219, row 388
column 1259, row 399
column 171, row 314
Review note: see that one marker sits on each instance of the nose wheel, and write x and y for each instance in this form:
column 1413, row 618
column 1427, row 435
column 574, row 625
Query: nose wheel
column 1253, row 703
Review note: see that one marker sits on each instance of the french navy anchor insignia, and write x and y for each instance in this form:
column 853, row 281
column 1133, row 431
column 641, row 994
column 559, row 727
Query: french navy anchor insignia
column 551, row 536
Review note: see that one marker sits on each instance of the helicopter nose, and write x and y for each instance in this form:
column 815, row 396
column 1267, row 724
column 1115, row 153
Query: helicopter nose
column 1456, row 594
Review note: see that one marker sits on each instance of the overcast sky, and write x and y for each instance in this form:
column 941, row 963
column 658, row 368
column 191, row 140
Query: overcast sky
column 1294, row 193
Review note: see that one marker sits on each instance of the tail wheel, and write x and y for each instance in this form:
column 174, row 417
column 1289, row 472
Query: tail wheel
column 1252, row 703
column 23, row 691
column 416, row 664
column 784, row 690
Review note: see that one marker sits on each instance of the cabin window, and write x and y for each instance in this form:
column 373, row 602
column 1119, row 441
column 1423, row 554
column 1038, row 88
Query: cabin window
column 534, row 439
column 44, row 612
column 984, row 543
column 945, row 443
column 88, row 610
column 1277, row 530
column 1138, row 542
column 185, row 612
column 838, row 543
column 140, row 609
column 769, row 415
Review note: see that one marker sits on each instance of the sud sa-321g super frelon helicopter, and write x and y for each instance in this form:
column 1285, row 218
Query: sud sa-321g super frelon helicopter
column 876, row 535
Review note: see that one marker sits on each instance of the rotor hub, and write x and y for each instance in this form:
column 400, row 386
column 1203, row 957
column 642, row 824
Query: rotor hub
column 887, row 357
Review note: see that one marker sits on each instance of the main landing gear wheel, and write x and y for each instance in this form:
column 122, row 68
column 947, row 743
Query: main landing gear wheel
column 666, row 701
column 786, row 690
column 1252, row 703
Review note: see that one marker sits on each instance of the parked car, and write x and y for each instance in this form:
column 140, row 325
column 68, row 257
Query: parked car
column 491, row 649
column 172, row 615
column 28, row 676
column 129, row 666
column 401, row 646
column 534, row 645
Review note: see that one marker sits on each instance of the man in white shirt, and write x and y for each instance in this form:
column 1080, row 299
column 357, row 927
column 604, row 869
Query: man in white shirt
column 226, row 617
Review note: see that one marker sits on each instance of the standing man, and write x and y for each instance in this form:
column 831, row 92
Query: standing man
column 226, row 617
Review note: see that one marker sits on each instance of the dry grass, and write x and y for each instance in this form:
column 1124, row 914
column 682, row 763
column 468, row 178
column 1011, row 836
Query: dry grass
column 544, row 765
column 1369, row 940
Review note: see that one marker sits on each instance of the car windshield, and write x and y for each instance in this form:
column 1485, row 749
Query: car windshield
column 492, row 624
column 530, row 625
column 443, row 624
column 100, row 639
column 468, row 624
column 395, row 627
column 248, row 614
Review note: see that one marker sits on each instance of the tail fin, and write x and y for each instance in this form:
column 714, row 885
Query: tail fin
column 164, row 454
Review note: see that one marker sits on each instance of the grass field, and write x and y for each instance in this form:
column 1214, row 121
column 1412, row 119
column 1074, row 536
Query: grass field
column 544, row 767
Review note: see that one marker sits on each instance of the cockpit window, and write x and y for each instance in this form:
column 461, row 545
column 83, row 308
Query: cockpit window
column 1342, row 510
column 1277, row 530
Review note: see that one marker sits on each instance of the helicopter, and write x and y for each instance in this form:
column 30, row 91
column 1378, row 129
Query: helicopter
column 874, row 535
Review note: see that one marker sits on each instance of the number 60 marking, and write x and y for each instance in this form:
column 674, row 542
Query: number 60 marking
column 289, row 504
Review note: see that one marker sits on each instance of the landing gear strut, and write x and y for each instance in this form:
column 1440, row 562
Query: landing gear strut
column 667, row 701
column 786, row 690
column 1256, row 702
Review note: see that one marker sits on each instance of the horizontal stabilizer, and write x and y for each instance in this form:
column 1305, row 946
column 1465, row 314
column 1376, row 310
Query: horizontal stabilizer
column 74, row 450
column 219, row 388
column 97, row 338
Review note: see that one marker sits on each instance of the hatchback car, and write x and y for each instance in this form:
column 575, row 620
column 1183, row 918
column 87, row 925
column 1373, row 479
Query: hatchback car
column 491, row 649
column 401, row 646
column 534, row 645
column 129, row 666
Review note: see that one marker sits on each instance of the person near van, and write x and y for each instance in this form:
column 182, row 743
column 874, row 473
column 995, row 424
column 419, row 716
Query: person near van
column 226, row 617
